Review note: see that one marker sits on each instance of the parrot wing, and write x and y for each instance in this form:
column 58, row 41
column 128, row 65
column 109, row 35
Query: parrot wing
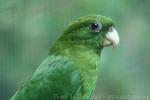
column 56, row 78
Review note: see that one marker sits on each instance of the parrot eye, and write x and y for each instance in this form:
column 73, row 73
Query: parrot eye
column 95, row 27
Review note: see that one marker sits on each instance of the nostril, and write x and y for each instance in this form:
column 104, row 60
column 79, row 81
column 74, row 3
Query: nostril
column 110, row 29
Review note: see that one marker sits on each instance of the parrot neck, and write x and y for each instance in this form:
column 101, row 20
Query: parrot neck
column 81, row 54
column 84, row 57
column 60, row 47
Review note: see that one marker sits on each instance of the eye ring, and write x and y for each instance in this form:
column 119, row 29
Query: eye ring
column 95, row 27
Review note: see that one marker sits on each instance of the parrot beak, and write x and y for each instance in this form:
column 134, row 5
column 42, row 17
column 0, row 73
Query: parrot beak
column 111, row 38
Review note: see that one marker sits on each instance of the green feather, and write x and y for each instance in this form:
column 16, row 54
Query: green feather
column 70, row 72
column 55, row 78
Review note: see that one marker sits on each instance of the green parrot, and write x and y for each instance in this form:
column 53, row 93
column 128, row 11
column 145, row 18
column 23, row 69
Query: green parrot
column 71, row 70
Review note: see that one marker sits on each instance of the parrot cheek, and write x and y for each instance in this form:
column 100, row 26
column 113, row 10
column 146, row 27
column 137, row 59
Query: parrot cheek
column 111, row 38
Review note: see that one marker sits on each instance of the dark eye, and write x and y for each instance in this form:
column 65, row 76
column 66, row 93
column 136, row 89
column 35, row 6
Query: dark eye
column 95, row 27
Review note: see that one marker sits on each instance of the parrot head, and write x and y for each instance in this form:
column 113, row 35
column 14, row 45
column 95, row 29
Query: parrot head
column 95, row 31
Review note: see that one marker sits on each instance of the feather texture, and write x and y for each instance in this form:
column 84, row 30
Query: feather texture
column 70, row 72
column 55, row 79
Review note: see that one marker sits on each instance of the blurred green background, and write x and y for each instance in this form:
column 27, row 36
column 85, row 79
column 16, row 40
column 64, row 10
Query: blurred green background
column 28, row 28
